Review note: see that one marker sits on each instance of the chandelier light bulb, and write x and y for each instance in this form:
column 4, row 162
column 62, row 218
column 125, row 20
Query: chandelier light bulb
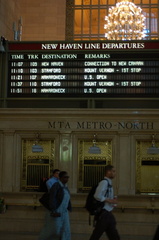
column 125, row 22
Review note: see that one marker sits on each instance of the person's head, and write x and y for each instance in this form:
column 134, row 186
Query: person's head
column 63, row 176
column 110, row 171
column 55, row 173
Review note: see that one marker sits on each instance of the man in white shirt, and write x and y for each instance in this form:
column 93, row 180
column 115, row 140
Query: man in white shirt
column 53, row 179
column 106, row 221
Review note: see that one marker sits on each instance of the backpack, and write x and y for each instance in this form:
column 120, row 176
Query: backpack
column 44, row 200
column 93, row 206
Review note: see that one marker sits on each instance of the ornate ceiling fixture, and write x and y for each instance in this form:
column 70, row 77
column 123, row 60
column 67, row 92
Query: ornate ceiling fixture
column 36, row 147
column 153, row 149
column 94, row 149
column 125, row 22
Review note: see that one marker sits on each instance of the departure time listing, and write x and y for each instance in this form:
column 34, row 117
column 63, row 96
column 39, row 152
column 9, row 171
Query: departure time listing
column 82, row 74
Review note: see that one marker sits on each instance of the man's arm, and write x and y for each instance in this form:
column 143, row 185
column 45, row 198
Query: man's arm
column 112, row 201
column 48, row 185
column 101, row 195
column 101, row 190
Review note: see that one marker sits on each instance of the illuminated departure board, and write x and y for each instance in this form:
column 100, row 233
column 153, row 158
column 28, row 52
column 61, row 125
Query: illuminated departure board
column 83, row 69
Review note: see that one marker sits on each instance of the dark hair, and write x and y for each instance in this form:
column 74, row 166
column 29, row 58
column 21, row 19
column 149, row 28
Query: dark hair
column 55, row 170
column 108, row 168
column 62, row 173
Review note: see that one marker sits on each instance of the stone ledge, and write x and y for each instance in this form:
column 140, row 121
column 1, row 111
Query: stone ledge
column 33, row 236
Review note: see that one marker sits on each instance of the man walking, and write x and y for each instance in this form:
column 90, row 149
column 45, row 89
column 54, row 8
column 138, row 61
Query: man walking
column 106, row 222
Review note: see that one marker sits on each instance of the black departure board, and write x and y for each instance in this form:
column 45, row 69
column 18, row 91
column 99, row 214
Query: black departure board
column 83, row 69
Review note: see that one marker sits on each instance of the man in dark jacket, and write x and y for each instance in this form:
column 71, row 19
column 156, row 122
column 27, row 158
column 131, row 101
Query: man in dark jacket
column 57, row 224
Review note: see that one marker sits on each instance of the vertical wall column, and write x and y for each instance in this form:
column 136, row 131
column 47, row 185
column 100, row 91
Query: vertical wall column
column 66, row 154
column 1, row 159
column 125, row 167
column 8, row 161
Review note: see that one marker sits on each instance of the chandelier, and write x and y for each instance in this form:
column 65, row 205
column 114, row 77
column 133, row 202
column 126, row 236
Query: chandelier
column 125, row 22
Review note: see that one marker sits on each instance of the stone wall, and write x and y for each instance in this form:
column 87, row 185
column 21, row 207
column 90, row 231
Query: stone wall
column 137, row 217
column 123, row 127
column 137, row 214
column 9, row 13
column 41, row 20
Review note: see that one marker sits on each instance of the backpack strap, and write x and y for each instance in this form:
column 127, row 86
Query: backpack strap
column 109, row 186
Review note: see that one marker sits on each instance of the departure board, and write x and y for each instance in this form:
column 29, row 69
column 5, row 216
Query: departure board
column 83, row 69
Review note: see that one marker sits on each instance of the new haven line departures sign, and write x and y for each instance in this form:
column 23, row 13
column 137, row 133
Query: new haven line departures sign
column 83, row 69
